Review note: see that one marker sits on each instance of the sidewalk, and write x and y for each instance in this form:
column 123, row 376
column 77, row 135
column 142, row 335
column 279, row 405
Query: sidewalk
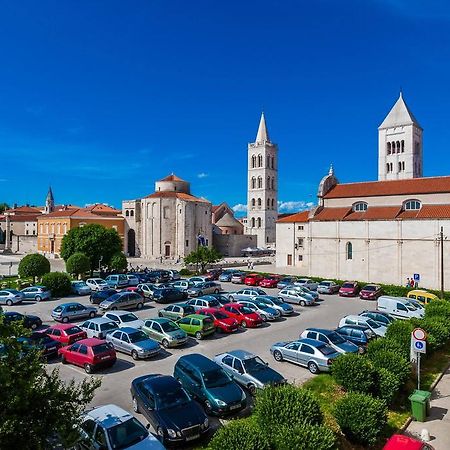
column 438, row 423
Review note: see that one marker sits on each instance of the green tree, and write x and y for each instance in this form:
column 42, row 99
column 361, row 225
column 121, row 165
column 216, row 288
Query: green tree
column 34, row 265
column 36, row 405
column 78, row 264
column 3, row 207
column 118, row 262
column 59, row 283
column 97, row 242
column 203, row 256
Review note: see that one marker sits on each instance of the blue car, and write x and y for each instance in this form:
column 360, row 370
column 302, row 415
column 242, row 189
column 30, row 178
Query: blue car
column 358, row 334
column 331, row 338
column 227, row 274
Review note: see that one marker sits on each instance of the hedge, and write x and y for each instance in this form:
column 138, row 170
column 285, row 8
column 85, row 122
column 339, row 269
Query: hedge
column 437, row 328
column 353, row 373
column 304, row 437
column 438, row 308
column 388, row 384
column 58, row 282
column 393, row 362
column 400, row 331
column 385, row 344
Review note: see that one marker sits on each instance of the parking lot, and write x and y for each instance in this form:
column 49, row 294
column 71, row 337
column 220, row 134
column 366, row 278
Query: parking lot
column 116, row 381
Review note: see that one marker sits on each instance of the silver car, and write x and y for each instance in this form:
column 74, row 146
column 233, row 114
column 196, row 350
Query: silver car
column 328, row 287
column 36, row 293
column 10, row 297
column 99, row 327
column 315, row 355
column 245, row 294
column 133, row 280
column 80, row 288
column 69, row 311
column 310, row 284
column 97, row 284
column 305, row 290
column 182, row 285
column 275, row 303
column 122, row 300
column 265, row 311
column 146, row 289
column 133, row 342
column 208, row 287
column 295, row 296
column 201, row 303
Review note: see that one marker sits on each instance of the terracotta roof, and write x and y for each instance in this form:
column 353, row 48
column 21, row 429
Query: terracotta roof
column 171, row 177
column 327, row 214
column 180, row 195
column 434, row 212
column 411, row 186
column 98, row 208
column 301, row 216
column 375, row 213
column 24, row 210
column 90, row 212
column 22, row 217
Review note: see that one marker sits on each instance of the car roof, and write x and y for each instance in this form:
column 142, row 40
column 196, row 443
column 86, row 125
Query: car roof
column 69, row 304
column 165, row 383
column 356, row 327
column 63, row 326
column 321, row 330
column 241, row 354
column 355, row 316
column 91, row 342
column 197, row 316
column 198, row 360
column 128, row 330
column 120, row 312
column 158, row 319
column 99, row 320
column 312, row 342
column 109, row 415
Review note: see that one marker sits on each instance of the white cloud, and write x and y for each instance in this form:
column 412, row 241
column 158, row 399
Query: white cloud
column 239, row 208
column 294, row 206
column 202, row 175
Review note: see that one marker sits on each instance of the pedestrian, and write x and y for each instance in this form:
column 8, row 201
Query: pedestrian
column 408, row 283
column 251, row 265
column 412, row 282
column 248, row 264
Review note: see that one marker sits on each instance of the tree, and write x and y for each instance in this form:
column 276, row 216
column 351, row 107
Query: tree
column 78, row 264
column 203, row 256
column 36, row 405
column 97, row 242
column 3, row 207
column 34, row 265
column 118, row 262
column 58, row 283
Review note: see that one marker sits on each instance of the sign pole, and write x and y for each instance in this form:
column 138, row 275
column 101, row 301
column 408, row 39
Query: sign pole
column 418, row 371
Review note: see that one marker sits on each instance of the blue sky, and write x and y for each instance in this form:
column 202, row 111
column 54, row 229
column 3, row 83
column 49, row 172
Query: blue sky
column 101, row 98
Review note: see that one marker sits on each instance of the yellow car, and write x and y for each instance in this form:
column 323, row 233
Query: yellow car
column 422, row 296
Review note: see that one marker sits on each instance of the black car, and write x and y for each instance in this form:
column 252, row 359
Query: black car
column 168, row 295
column 169, row 408
column 32, row 322
column 42, row 342
column 98, row 296
column 158, row 276
column 358, row 334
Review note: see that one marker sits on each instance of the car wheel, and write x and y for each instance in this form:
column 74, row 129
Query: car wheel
column 208, row 407
column 165, row 343
column 65, row 319
column 135, row 405
column 160, row 432
column 38, row 298
column 91, row 300
column 88, row 368
column 139, row 305
column 114, row 308
column 91, row 314
column 244, row 324
column 198, row 335
column 216, row 291
column 9, row 302
column 263, row 317
column 252, row 389
column 134, row 355
column 34, row 326
column 278, row 356
column 312, row 366
column 302, row 303
column 160, row 314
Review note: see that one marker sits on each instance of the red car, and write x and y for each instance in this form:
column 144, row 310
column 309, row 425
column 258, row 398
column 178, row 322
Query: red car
column 401, row 442
column 253, row 279
column 223, row 322
column 270, row 281
column 370, row 292
column 349, row 289
column 131, row 289
column 66, row 333
column 91, row 354
column 213, row 274
column 245, row 316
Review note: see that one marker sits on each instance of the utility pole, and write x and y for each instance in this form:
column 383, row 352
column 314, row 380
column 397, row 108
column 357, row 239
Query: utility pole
column 441, row 239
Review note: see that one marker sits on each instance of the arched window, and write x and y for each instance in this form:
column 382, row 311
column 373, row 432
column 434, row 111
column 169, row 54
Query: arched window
column 132, row 213
column 260, row 182
column 273, row 162
column 268, row 203
column 253, row 161
column 391, row 167
column 253, row 222
column 259, row 202
column 360, row 206
column 388, row 148
column 253, row 202
column 268, row 161
column 403, row 146
column 349, row 250
column 398, row 146
column 412, row 205
column 387, row 167
column 403, row 165
column 273, row 183
column 253, row 182
column 268, row 183
column 273, row 203
column 259, row 222
column 127, row 213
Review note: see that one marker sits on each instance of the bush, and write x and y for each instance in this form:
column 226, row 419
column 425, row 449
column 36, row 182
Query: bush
column 437, row 329
column 361, row 417
column 353, row 372
column 118, row 262
column 286, row 405
column 78, row 264
column 241, row 434
column 34, row 265
column 400, row 332
column 438, row 308
column 393, row 362
column 385, row 344
column 305, row 437
column 388, row 385
column 185, row 272
column 58, row 283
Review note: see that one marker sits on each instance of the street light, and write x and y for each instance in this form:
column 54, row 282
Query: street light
column 100, row 265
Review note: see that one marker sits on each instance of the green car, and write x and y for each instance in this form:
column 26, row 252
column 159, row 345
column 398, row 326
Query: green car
column 164, row 331
column 176, row 312
column 197, row 325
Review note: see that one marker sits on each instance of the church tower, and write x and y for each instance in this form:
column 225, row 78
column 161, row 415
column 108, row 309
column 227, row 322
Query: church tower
column 49, row 202
column 262, row 198
column 399, row 144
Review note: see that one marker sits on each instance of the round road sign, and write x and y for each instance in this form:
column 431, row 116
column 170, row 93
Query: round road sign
column 419, row 334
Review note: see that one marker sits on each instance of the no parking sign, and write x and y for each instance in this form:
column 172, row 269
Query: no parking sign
column 419, row 340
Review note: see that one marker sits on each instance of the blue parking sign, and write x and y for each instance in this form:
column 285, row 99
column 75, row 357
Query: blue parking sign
column 417, row 277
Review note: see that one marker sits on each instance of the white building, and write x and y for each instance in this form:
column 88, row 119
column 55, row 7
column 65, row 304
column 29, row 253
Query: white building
column 381, row 231
column 167, row 223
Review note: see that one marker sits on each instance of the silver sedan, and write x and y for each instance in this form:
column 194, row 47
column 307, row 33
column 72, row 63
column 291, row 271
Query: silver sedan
column 134, row 342
column 265, row 311
column 295, row 296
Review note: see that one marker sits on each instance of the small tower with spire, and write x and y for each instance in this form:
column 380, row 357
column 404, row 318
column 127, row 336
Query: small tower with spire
column 49, row 202
column 262, row 188
column 400, row 144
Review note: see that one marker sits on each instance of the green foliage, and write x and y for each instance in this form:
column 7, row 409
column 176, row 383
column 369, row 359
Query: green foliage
column 394, row 362
column 286, row 405
column 78, row 264
column 385, row 344
column 36, row 405
column 437, row 328
column 361, row 417
column 241, row 434
column 353, row 372
column 438, row 308
column 185, row 272
column 305, row 437
column 95, row 241
column 118, row 262
column 33, row 265
column 388, row 385
column 400, row 331
column 58, row 282
column 3, row 207
column 203, row 256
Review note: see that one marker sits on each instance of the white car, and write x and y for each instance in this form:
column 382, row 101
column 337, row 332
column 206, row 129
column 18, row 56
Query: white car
column 198, row 280
column 376, row 327
column 98, row 327
column 97, row 284
column 125, row 319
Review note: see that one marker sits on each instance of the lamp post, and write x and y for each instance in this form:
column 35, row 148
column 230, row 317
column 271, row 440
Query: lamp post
column 100, row 264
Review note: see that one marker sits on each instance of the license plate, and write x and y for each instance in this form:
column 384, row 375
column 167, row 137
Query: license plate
column 191, row 438
column 105, row 357
column 235, row 406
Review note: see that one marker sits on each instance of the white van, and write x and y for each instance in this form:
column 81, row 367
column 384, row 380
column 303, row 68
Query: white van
column 399, row 307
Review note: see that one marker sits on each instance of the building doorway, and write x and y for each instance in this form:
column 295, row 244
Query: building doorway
column 289, row 260
column 131, row 242
column 167, row 250
column 52, row 246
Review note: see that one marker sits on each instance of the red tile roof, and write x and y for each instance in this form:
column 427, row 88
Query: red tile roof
column 180, row 195
column 375, row 213
column 411, row 186
column 330, row 214
column 22, row 217
column 301, row 216
column 171, row 177
column 24, row 210
column 98, row 208
column 434, row 212
column 90, row 212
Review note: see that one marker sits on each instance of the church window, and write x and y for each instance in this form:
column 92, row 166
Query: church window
column 268, row 203
column 260, row 160
column 253, row 202
column 273, row 203
column 411, row 205
column 273, row 183
column 127, row 213
column 259, row 222
column 387, row 167
column 259, row 202
column 399, row 166
column 273, row 162
column 403, row 165
column 391, row 167
column 360, row 206
column 253, row 222
column 166, row 212
column 398, row 146
column 187, row 242
column 403, row 146
column 349, row 250
column 253, row 182
column 388, row 148
column 253, row 161
column 132, row 213
column 268, row 161
column 259, row 182
column 268, row 182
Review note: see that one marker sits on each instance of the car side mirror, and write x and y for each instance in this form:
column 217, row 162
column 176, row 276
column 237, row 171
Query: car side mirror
column 266, row 363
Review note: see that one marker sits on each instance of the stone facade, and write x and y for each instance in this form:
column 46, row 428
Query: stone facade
column 233, row 244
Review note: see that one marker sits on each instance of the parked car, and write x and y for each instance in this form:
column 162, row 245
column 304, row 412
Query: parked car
column 328, row 287
column 36, row 293
column 203, row 302
column 349, row 289
column 197, row 325
column 402, row 442
column 91, row 354
column 222, row 321
column 116, row 429
column 176, row 312
column 174, row 274
column 286, row 281
column 297, row 297
column 125, row 319
column 70, row 311
column 237, row 277
column 270, row 281
column 331, row 338
column 315, row 355
column 198, row 280
column 227, row 274
column 133, row 280
column 208, row 287
column 249, row 370
column 11, row 297
column 370, row 292
column 376, row 327
column 377, row 316
column 165, row 331
column 245, row 294
column 266, row 312
column 117, row 281
column 304, row 290
column 422, row 296
column 307, row 283
column 167, row 295
column 146, row 290
column 97, row 284
column 29, row 321
column 182, row 285
column 66, row 333
column 214, row 274
column 206, row 381
column 419, row 305
column 222, row 298
column 358, row 334
column 253, row 279
column 99, row 327
column 133, row 342
column 168, row 408
column 399, row 307
column 158, row 276
column 80, row 288
column 274, row 302
column 122, row 300
column 245, row 316
column 47, row 346
column 98, row 296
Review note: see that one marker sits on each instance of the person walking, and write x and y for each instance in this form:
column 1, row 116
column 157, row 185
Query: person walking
column 408, row 283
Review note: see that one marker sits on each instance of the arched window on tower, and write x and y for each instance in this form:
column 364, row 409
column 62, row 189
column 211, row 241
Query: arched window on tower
column 399, row 166
column 403, row 146
column 268, row 161
column 259, row 222
column 260, row 182
column 388, row 148
column 387, row 167
column 253, row 222
column 127, row 213
column 268, row 183
column 391, row 166
column 398, row 146
column 268, row 203
column 253, row 182
column 349, row 250
column 259, row 202
column 273, row 183
column 273, row 203
column 253, row 161
column 253, row 202
column 260, row 160
column 273, row 162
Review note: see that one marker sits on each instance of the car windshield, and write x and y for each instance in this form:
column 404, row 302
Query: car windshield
column 220, row 315
column 370, row 288
column 13, row 291
column 306, row 290
column 214, row 303
column 335, row 338
column 246, row 310
column 215, row 378
column 373, row 324
column 108, row 326
column 326, row 283
column 260, row 305
column 326, row 350
column 274, row 300
column 72, row 330
column 128, row 317
column 112, row 298
column 348, row 285
column 127, row 434
column 58, row 309
column 169, row 326
column 101, row 348
column 254, row 364
column 171, row 399
column 137, row 336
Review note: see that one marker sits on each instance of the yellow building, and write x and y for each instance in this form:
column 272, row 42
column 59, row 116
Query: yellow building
column 53, row 226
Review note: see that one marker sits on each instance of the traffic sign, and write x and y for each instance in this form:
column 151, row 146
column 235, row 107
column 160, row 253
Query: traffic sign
column 420, row 346
column 417, row 277
column 419, row 334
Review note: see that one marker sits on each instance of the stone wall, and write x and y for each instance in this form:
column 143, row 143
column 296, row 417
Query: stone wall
column 232, row 244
